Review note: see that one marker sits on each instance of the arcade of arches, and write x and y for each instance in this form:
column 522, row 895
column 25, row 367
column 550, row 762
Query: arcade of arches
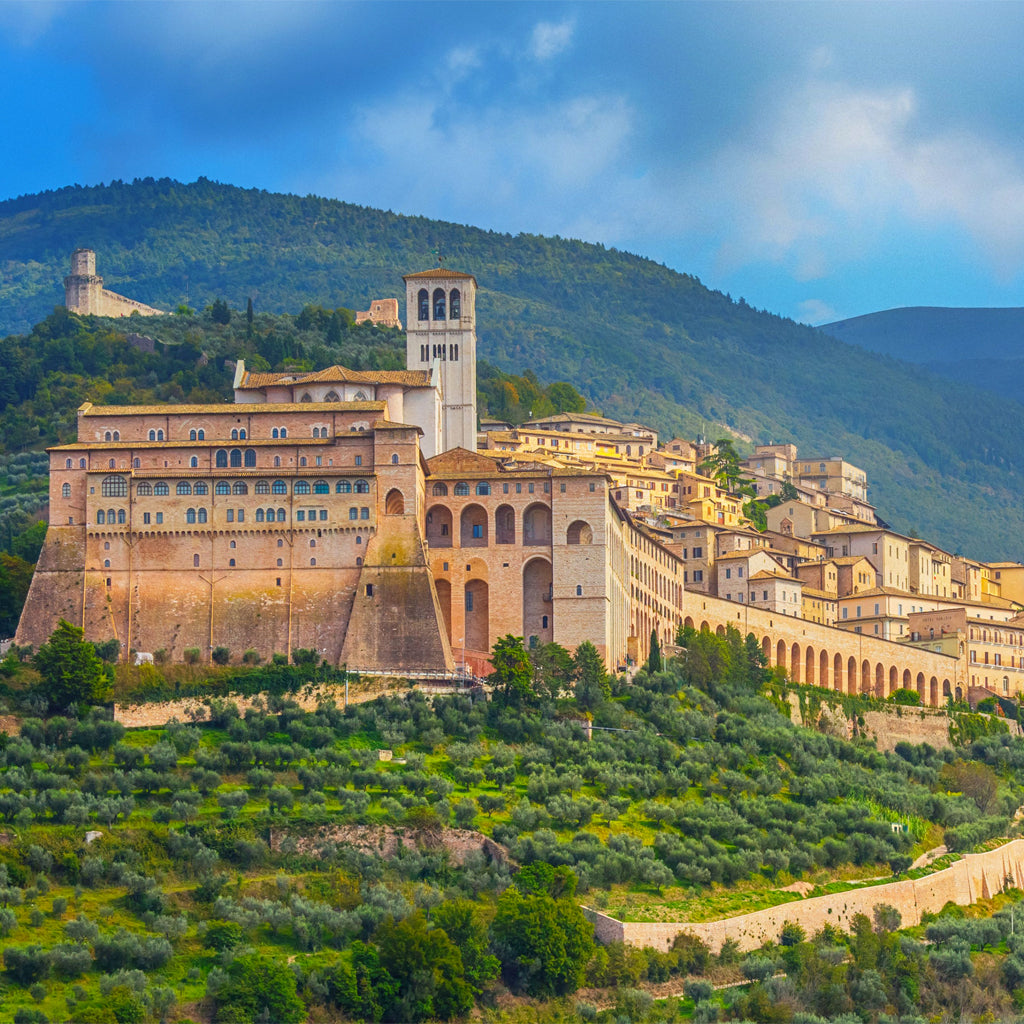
column 836, row 659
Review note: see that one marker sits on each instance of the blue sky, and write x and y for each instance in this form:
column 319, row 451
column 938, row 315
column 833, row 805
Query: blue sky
column 821, row 160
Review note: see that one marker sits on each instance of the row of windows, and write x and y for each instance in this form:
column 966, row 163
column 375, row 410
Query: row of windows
column 462, row 488
column 116, row 487
column 453, row 304
column 443, row 352
column 201, row 515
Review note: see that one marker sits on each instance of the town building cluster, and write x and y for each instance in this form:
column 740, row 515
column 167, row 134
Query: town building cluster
column 368, row 515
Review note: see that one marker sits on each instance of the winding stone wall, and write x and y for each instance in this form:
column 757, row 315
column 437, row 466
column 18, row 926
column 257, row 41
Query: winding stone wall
column 976, row 876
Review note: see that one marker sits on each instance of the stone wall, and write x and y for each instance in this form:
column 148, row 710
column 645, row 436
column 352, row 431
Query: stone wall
column 153, row 715
column 976, row 876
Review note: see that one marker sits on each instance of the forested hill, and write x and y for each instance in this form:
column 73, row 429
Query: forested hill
column 983, row 347
column 640, row 340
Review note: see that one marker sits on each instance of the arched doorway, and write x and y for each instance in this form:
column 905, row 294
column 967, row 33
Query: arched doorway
column 921, row 688
column 538, row 616
column 579, row 532
column 879, row 681
column 809, row 666
column 780, row 654
column 894, row 680
column 505, row 525
column 394, row 503
column 537, row 525
column 439, row 527
column 837, row 680
column 852, row 675
column 473, row 527
column 823, row 660
column 794, row 664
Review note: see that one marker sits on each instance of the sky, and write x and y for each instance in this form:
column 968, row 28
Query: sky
column 822, row 160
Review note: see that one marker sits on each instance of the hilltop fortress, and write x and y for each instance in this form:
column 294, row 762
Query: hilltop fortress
column 359, row 513
column 84, row 292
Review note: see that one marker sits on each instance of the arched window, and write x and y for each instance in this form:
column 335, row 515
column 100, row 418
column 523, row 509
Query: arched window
column 579, row 590
column 152, row 435
column 250, row 458
column 111, row 517
column 190, row 515
column 455, row 305
column 280, row 515
column 223, row 487
column 136, row 463
column 364, row 513
column 284, row 431
column 483, row 487
column 273, row 433
column 440, row 490
column 259, row 515
column 239, row 487
column 65, row 491
column 306, row 397
column 193, row 463
column 277, row 461
column 202, row 435
column 316, row 431
column 117, row 435
column 221, row 459
column 394, row 460
column 120, row 515
column 280, row 487
column 312, row 561
column 161, row 489
column 144, row 487
column 67, row 463
column 200, row 488
column 321, row 487
column 236, row 458
column 262, row 487
column 202, row 515
column 106, row 563
column 191, row 435
column 302, row 460
column 331, row 396
column 360, row 397
column 301, row 487
column 312, row 543
column 343, row 487
column 439, row 303
column 111, row 464
column 106, row 436
column 159, row 435
column 362, row 487
column 114, row 487
column 241, row 434
column 234, row 435
column 461, row 489
column 101, row 517
column 353, row 513
column 81, row 463
column 184, row 487
column 423, row 302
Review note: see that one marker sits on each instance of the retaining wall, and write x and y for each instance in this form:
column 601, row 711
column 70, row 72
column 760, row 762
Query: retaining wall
column 976, row 876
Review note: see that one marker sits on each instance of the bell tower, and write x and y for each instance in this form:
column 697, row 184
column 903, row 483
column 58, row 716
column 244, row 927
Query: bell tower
column 440, row 313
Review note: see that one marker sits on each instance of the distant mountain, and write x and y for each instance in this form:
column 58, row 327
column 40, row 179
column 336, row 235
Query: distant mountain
column 983, row 347
column 640, row 340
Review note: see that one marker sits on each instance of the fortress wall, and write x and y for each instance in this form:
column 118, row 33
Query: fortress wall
column 976, row 876
column 111, row 304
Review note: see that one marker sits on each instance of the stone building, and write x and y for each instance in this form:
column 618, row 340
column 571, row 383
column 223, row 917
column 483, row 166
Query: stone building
column 84, row 292
column 382, row 311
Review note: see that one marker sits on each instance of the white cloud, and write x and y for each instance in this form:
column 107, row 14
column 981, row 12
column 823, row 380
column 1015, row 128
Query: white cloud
column 549, row 39
column 815, row 311
column 825, row 176
column 26, row 23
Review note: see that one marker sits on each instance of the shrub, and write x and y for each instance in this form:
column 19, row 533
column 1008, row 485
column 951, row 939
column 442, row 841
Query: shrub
column 221, row 655
column 192, row 655
column 251, row 657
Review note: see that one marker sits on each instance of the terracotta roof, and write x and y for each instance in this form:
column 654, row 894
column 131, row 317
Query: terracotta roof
column 446, row 272
column 336, row 375
column 766, row 574
column 228, row 408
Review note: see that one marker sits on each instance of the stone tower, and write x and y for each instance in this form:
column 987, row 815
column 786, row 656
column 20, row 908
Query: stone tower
column 82, row 288
column 440, row 308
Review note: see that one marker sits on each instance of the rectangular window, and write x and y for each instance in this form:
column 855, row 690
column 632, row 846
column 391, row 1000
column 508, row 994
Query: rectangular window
column 766, row 595
column 359, row 460
column 300, row 516
column 739, row 572
column 159, row 517
column 478, row 530
column 728, row 574
column 858, row 611
column 364, row 513
column 698, row 552
column 519, row 488
column 241, row 515
column 323, row 515
column 846, row 613
column 145, row 518
column 530, row 487
column 876, row 607
column 504, row 488
column 231, row 515
column 469, row 600
column 592, row 485
column 698, row 576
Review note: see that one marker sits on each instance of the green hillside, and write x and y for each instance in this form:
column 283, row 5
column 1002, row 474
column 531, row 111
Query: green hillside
column 641, row 341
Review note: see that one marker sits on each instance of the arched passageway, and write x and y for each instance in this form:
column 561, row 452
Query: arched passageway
column 537, row 605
